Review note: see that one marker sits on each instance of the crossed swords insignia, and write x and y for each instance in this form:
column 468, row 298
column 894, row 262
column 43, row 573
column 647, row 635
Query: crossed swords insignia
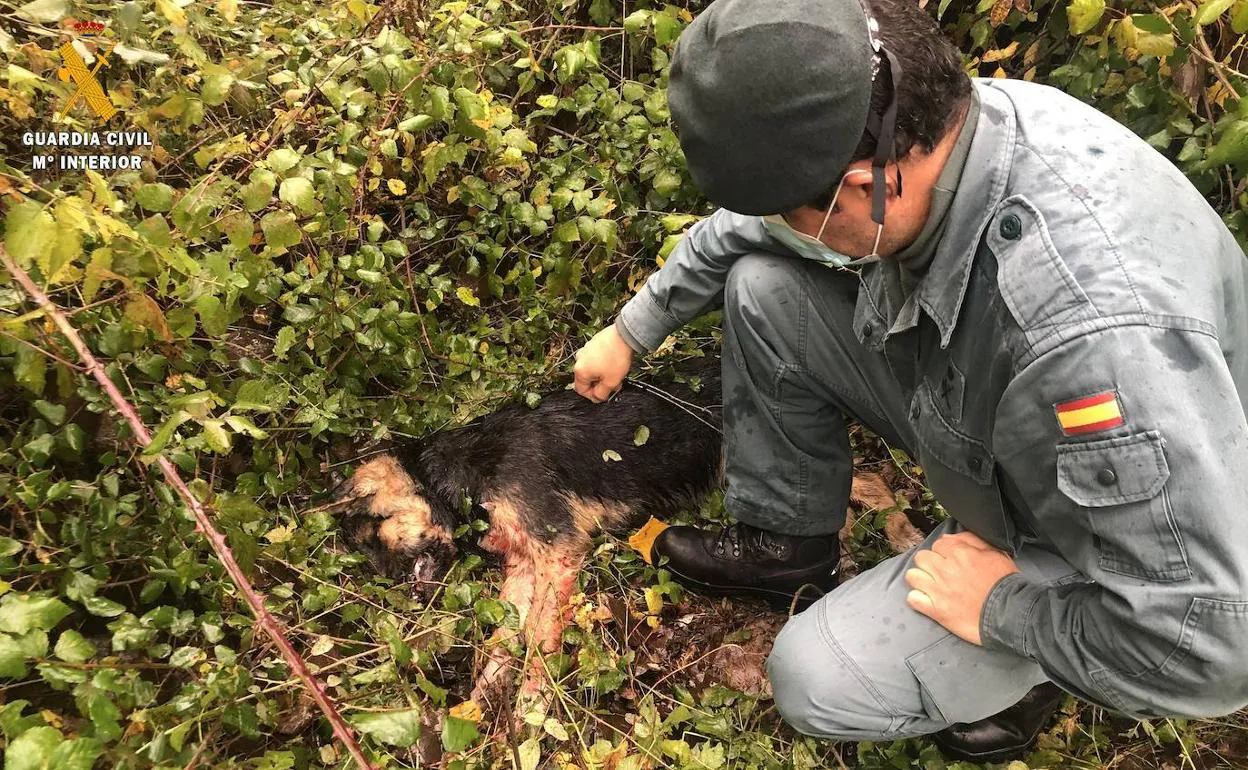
column 75, row 69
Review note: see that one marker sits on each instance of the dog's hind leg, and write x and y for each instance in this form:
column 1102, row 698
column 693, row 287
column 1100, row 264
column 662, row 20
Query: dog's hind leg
column 556, row 568
column 519, row 577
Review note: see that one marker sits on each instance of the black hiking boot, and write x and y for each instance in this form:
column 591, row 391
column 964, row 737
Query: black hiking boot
column 745, row 560
column 1005, row 736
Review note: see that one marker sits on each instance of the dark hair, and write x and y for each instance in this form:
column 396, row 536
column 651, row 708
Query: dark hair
column 934, row 84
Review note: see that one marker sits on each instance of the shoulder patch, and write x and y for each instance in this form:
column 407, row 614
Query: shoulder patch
column 1089, row 414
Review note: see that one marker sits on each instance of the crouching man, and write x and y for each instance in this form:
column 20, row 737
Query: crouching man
column 1016, row 290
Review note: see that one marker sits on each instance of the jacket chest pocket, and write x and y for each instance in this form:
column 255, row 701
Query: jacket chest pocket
column 960, row 469
column 1121, row 485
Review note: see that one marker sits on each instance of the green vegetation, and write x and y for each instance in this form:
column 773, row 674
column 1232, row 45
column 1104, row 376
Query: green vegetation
column 364, row 221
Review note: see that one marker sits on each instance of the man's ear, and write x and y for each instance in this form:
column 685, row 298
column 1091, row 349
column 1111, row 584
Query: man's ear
column 860, row 176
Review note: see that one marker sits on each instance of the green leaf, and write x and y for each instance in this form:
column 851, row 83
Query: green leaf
column 216, row 85
column 1239, row 22
column 283, row 159
column 31, row 370
column 12, row 658
column 458, row 734
column 53, row 413
column 566, row 232
column 155, row 196
column 530, row 753
column 635, row 21
column 9, row 546
column 396, row 728
column 185, row 657
column 33, row 750
column 29, row 233
column 299, row 314
column 103, row 608
column 299, row 193
column 1210, row 10
column 1083, row 15
column 216, row 436
column 285, row 341
column 641, row 435
column 20, row 613
column 1232, row 145
column 212, row 315
column 280, row 230
column 611, row 456
column 76, row 754
column 467, row 296
column 73, row 647
column 242, row 424
column 161, row 437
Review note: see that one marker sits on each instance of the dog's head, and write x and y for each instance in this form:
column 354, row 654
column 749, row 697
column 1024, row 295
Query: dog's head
column 405, row 534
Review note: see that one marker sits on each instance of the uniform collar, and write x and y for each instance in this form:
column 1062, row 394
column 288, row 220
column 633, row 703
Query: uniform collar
column 940, row 291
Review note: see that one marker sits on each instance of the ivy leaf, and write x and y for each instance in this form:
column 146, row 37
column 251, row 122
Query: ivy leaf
column 155, row 196
column 1211, row 10
column 299, row 193
column 73, row 647
column 12, row 659
column 396, row 728
column 280, row 230
column 242, row 424
column 29, row 233
column 76, row 754
column 20, row 613
column 458, row 734
column 33, row 749
column 285, row 341
column 1083, row 15
column 216, row 436
column 103, row 608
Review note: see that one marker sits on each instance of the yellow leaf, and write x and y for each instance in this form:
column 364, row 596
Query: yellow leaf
column 452, row 194
column 467, row 710
column 228, row 10
column 396, row 186
column 643, row 539
column 467, row 296
column 1000, row 74
column 1000, row 54
column 1000, row 10
column 175, row 15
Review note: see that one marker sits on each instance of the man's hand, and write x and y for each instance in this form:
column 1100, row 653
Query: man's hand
column 952, row 581
column 602, row 365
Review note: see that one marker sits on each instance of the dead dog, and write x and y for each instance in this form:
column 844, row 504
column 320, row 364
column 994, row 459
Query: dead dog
column 550, row 478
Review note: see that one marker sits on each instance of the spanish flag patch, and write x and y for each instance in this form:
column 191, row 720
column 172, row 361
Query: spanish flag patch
column 1090, row 414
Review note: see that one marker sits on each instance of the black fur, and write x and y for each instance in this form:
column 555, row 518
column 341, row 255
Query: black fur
column 536, row 458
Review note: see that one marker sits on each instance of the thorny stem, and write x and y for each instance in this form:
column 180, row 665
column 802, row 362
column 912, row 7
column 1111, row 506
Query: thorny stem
column 202, row 521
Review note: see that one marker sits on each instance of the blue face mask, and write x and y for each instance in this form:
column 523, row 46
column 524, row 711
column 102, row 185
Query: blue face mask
column 813, row 248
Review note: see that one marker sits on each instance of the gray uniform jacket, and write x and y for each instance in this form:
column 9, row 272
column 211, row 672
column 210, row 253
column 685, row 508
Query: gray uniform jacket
column 1078, row 359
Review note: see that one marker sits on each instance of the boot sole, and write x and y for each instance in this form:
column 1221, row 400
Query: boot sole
column 986, row 757
column 778, row 600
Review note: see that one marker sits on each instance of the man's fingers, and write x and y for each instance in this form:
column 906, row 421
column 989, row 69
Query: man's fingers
column 920, row 580
column 927, row 560
column 921, row 602
column 601, row 392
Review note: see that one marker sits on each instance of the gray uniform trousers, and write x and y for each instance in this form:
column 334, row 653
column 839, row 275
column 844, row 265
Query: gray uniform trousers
column 859, row 664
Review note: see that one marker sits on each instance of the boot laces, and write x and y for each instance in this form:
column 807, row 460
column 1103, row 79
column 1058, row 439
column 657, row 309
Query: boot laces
column 749, row 541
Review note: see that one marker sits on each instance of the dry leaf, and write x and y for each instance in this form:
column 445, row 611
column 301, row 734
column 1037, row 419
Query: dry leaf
column 1000, row 10
column 901, row 534
column 1000, row 54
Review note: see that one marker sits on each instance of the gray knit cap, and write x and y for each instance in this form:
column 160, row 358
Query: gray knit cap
column 770, row 98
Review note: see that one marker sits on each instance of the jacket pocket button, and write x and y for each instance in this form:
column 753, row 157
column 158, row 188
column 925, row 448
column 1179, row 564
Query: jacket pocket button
column 976, row 464
column 1011, row 227
column 914, row 411
column 1107, row 477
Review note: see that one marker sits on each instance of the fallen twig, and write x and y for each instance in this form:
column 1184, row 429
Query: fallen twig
column 202, row 521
